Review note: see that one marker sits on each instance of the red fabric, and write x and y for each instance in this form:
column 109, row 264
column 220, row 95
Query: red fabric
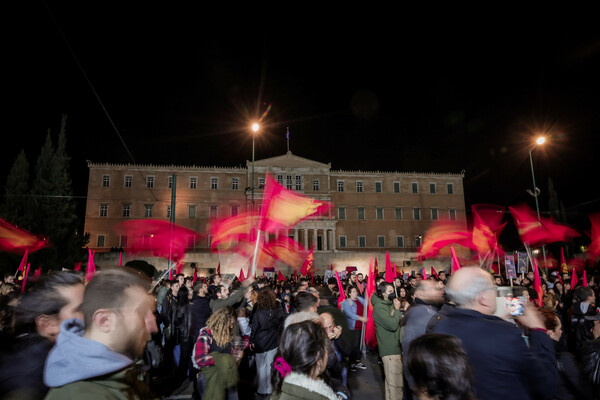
column 487, row 225
column 533, row 231
column 25, row 278
column 241, row 277
column 376, row 267
column 227, row 232
column 455, row 263
column 584, row 284
column 283, row 208
column 219, row 269
column 341, row 290
column 444, row 233
column 308, row 262
column 287, row 250
column 295, row 276
column 23, row 264
column 563, row 263
column 77, row 266
column 370, row 337
column 16, row 240
column 91, row 267
column 390, row 274
column 195, row 275
column 434, row 273
column 537, row 283
column 280, row 276
column 360, row 309
column 424, row 273
column 594, row 247
column 120, row 259
column 573, row 280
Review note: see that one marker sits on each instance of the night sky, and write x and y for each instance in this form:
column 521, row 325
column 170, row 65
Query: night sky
column 373, row 92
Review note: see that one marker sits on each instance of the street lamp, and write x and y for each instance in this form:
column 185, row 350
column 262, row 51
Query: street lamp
column 539, row 141
column 255, row 128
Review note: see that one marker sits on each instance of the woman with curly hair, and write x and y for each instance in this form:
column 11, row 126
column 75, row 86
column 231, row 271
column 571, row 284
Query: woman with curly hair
column 300, row 364
column 267, row 321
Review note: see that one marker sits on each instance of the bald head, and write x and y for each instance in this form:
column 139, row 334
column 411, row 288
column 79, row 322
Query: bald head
column 429, row 292
column 473, row 288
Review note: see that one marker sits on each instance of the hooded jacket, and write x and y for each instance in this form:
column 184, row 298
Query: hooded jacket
column 78, row 367
column 387, row 327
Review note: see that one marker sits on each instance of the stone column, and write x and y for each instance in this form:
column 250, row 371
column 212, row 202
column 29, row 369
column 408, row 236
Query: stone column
column 305, row 231
column 333, row 242
column 296, row 235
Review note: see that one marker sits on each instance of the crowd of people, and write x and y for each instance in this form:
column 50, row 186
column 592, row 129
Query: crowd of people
column 123, row 336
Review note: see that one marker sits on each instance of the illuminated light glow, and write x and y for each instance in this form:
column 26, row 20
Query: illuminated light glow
column 541, row 140
column 255, row 127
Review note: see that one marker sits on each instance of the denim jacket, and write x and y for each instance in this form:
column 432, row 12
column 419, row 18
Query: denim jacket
column 349, row 309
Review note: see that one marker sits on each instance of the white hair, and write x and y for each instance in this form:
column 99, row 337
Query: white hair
column 467, row 295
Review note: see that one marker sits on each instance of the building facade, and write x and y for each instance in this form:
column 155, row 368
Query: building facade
column 374, row 211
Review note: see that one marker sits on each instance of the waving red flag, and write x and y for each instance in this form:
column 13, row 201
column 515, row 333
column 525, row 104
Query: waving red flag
column 376, row 268
column 283, row 208
column 157, row 238
column 91, row 267
column 594, row 247
column 563, row 263
column 574, row 279
column 287, row 250
column 584, row 284
column 37, row 273
column 533, row 231
column 77, row 266
column 537, row 284
column 444, row 233
column 342, row 297
column 15, row 240
column 434, row 273
column 390, row 274
column 280, row 276
column 22, row 264
column 241, row 277
column 295, row 275
column 455, row 263
column 308, row 262
column 226, row 233
column 370, row 337
column 487, row 225
column 424, row 274
column 25, row 279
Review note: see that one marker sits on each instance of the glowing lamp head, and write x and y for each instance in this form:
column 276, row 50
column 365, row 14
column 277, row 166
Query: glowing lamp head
column 255, row 127
column 541, row 140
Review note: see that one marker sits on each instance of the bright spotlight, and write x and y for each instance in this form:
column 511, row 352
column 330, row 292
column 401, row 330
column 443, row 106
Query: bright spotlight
column 541, row 140
column 255, row 127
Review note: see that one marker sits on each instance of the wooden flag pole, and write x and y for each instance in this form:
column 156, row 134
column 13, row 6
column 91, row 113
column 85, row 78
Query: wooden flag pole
column 254, row 256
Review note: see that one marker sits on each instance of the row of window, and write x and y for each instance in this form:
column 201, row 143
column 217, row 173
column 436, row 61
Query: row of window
column 341, row 187
column 192, row 182
column 213, row 211
column 362, row 241
column 379, row 213
column 123, row 241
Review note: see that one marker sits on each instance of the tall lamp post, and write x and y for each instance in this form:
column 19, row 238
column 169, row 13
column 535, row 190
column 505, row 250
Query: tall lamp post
column 539, row 141
column 255, row 128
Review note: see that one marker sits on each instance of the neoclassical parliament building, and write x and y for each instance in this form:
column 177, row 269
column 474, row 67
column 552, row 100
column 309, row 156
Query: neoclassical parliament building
column 374, row 211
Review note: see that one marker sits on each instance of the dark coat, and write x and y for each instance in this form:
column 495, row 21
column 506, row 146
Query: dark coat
column 201, row 312
column 266, row 327
column 503, row 366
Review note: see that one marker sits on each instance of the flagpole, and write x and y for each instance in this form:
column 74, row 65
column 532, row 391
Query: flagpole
column 254, row 257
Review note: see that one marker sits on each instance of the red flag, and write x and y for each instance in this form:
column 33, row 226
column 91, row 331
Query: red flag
column 584, row 279
column 226, row 233
column 560, row 280
column 15, row 240
column 455, row 263
column 544, row 230
column 376, row 268
column 170, row 274
column 77, row 266
column 444, row 233
column 434, row 273
column 573, row 280
column 23, row 263
column 283, row 208
column 487, row 225
column 370, row 337
column 241, row 278
column 178, row 268
column 563, row 263
column 247, row 246
column 424, row 273
column 37, row 273
column 25, row 278
column 195, row 276
column 91, row 267
column 341, row 290
column 308, row 262
column 594, row 247
column 295, row 276
column 390, row 274
column 311, row 279
column 157, row 238
column 280, row 276
column 120, row 259
column 537, row 283
column 287, row 250
column 219, row 269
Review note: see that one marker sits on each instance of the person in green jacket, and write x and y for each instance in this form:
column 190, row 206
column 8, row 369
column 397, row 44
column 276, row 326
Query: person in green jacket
column 386, row 315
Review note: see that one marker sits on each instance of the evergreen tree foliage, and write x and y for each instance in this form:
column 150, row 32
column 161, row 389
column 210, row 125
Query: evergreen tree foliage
column 16, row 200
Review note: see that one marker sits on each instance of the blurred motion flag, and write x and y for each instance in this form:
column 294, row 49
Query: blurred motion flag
column 91, row 267
column 226, row 233
column 287, row 250
column 25, row 278
column 280, row 277
column 342, row 296
column 584, row 284
column 537, row 284
column 157, row 238
column 370, row 338
column 37, row 273
column 533, row 231
column 246, row 248
column 77, row 266
column 22, row 264
column 594, row 247
column 308, row 262
column 295, row 275
column 283, row 208
column 487, row 225
column 455, row 263
column 441, row 234
column 574, row 279
column 15, row 240
column 390, row 274
column 563, row 264
column 241, row 277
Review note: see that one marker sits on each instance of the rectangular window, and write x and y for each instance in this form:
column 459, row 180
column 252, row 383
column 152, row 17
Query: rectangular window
column 398, row 213
column 168, row 211
column 396, row 187
column 193, row 182
column 148, row 210
column 261, row 183
column 298, row 182
column 103, row 209
column 380, row 241
column 361, row 213
column 342, row 241
column 315, row 185
column 150, row 182
column 452, row 214
column 415, row 187
column 450, row 188
column 435, row 214
column 340, row 186
column 128, row 181
column 235, row 183
column 105, row 180
column 377, row 187
column 418, row 240
column 432, row 188
column 280, row 179
column 399, row 241
column 170, row 184
column 126, row 210
column 191, row 211
column 288, row 182
column 341, row 213
column 379, row 213
column 214, row 183
column 416, row 214
column 123, row 241
column 359, row 187
column 235, row 210
column 101, row 240
column 362, row 241
column 213, row 212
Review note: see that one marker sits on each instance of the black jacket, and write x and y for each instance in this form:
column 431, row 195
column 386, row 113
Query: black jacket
column 266, row 328
column 201, row 312
column 591, row 364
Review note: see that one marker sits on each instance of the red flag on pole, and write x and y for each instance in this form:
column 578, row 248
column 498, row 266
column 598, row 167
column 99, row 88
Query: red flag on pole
column 25, row 278
column 37, row 273
column 584, row 284
column 424, row 273
column 241, row 277
column 341, row 290
column 573, row 280
column 537, row 283
column 22, row 265
column 308, row 263
column 563, row 263
column 15, row 240
column 120, row 259
column 543, row 230
column 219, row 269
column 370, row 337
column 444, row 233
column 455, row 263
column 594, row 247
column 390, row 274
column 91, row 267
column 295, row 276
column 311, row 279
column 376, row 268
column 195, row 276
column 487, row 225
column 434, row 272
column 77, row 266
column 179, row 268
column 280, row 276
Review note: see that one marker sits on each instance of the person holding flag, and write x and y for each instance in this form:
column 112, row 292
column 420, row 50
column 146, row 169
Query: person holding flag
column 353, row 308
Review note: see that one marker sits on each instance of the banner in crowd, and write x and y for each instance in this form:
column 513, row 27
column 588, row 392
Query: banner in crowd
column 522, row 262
column 509, row 266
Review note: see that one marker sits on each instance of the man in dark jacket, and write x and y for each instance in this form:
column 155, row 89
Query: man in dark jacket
column 503, row 365
column 200, row 307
